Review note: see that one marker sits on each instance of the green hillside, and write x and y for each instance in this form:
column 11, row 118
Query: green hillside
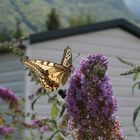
column 32, row 13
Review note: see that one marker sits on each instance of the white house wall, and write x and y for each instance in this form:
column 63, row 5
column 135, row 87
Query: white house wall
column 12, row 74
column 113, row 43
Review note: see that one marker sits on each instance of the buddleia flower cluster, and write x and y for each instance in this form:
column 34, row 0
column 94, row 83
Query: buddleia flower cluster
column 90, row 102
column 41, row 124
column 10, row 97
column 6, row 130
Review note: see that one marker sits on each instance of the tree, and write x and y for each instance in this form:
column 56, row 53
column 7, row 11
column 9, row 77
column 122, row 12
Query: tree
column 52, row 21
column 79, row 19
column 18, row 31
column 5, row 35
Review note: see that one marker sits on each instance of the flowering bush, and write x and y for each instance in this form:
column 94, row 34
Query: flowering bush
column 90, row 102
column 8, row 96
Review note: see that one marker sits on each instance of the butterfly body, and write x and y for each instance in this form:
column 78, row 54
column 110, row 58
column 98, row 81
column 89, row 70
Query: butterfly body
column 52, row 74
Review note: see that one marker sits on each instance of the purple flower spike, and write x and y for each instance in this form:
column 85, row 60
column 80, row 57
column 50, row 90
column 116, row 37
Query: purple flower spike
column 41, row 124
column 10, row 97
column 5, row 130
column 90, row 102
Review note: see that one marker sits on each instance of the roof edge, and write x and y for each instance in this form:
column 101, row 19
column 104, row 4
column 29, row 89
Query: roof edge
column 55, row 34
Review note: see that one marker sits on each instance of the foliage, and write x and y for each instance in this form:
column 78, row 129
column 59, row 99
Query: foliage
column 100, row 104
column 32, row 13
column 5, row 35
column 38, row 126
column 52, row 21
column 80, row 19
column 18, row 32
column 134, row 70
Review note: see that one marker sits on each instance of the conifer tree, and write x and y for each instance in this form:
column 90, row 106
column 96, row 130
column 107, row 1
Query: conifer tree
column 18, row 31
column 5, row 34
column 52, row 21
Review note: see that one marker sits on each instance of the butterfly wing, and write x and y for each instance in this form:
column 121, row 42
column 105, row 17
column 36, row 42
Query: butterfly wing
column 37, row 67
column 52, row 74
column 67, row 63
column 67, row 57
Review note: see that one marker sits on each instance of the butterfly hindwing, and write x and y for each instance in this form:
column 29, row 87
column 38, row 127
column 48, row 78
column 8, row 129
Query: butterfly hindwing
column 51, row 74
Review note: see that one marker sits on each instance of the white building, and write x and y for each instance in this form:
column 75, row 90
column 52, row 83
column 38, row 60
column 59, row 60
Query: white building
column 117, row 38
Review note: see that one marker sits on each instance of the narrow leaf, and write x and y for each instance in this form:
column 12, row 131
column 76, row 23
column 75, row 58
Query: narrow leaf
column 136, row 76
column 125, row 62
column 137, row 130
column 60, row 135
column 139, row 86
column 136, row 112
column 54, row 111
column 134, row 86
column 52, row 136
column 132, row 71
column 33, row 103
column 53, row 123
column 62, row 111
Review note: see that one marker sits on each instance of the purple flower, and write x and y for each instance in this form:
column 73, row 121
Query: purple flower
column 90, row 102
column 5, row 130
column 44, row 128
column 10, row 97
column 40, row 124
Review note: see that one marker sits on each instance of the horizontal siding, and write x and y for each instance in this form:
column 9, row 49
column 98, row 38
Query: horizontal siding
column 17, row 86
column 113, row 43
column 118, row 34
column 11, row 75
column 11, row 66
column 42, row 109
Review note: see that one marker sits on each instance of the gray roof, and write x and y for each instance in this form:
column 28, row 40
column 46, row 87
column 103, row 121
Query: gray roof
column 54, row 34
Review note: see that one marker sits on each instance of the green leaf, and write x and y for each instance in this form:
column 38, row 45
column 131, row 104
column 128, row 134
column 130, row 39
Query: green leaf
column 27, row 138
column 139, row 86
column 136, row 112
column 54, row 110
column 136, row 76
column 53, row 123
column 132, row 71
column 33, row 103
column 52, row 136
column 60, row 135
column 62, row 111
column 125, row 62
column 134, row 86
column 137, row 130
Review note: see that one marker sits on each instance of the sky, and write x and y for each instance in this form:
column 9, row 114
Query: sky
column 134, row 6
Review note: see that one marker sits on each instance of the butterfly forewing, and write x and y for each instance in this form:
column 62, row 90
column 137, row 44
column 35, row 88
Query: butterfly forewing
column 52, row 74
column 35, row 66
column 67, row 57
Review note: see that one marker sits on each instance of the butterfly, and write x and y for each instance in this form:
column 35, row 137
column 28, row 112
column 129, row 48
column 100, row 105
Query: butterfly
column 52, row 74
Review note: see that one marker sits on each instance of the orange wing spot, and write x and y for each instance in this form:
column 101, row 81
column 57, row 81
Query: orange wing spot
column 56, row 85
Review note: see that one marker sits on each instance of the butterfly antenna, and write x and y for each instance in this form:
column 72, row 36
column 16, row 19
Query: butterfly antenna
column 76, row 57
